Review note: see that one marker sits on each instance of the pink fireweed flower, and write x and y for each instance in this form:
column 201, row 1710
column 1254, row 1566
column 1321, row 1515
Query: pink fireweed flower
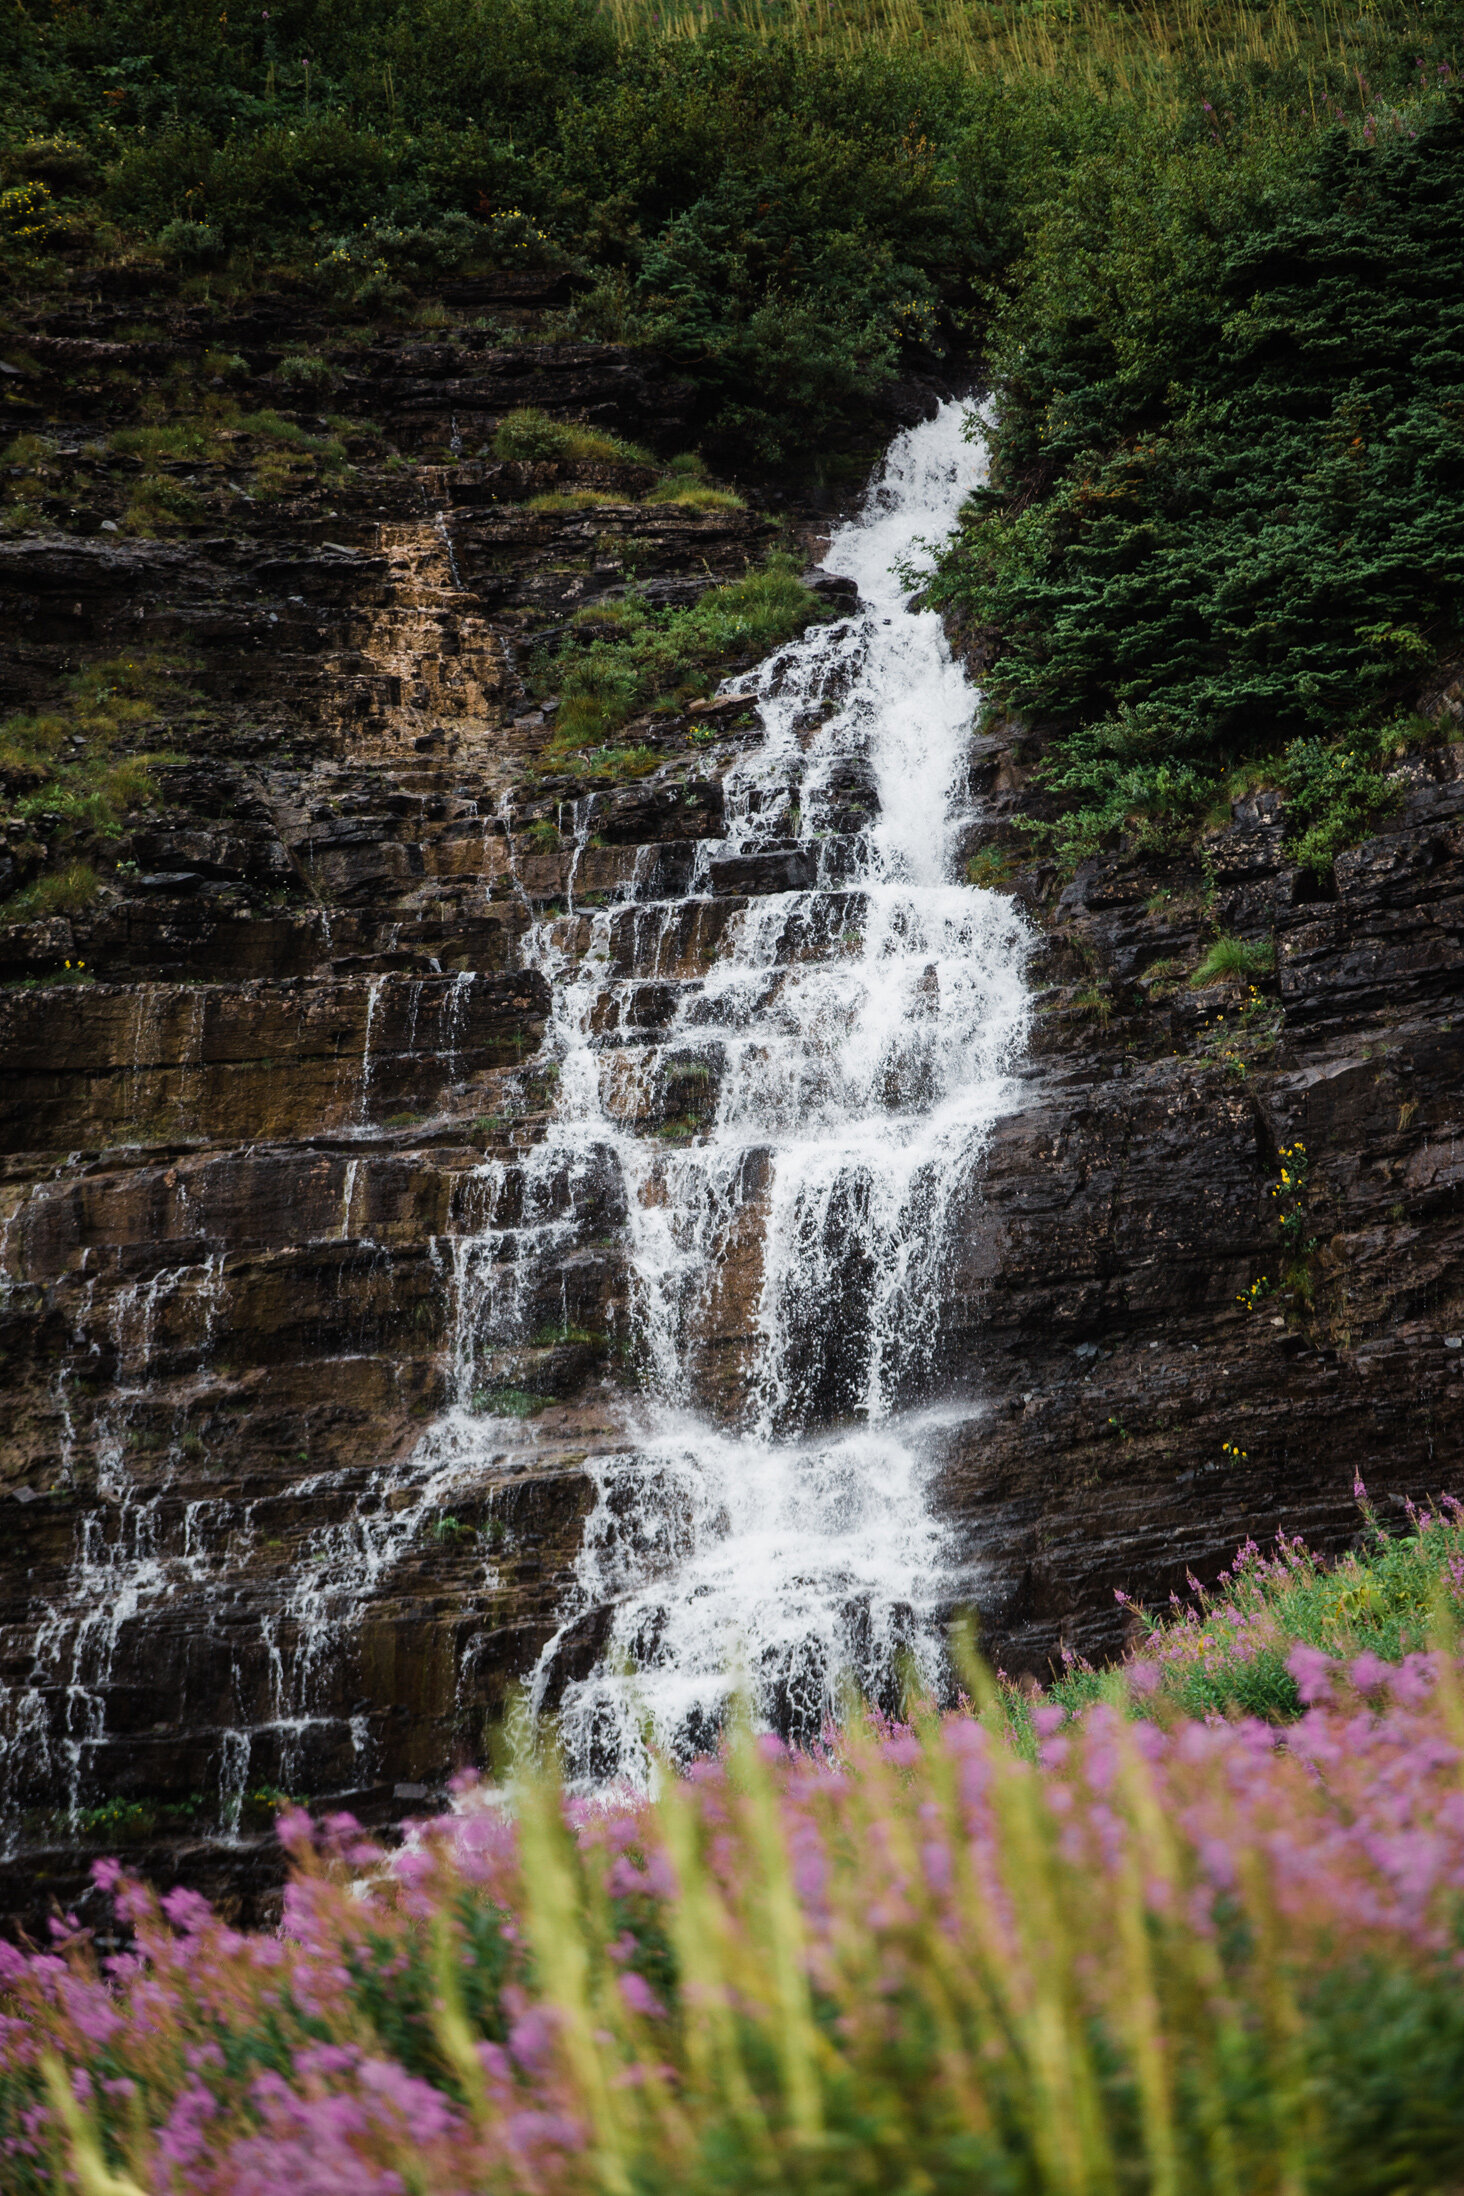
column 1313, row 1672
column 640, row 1997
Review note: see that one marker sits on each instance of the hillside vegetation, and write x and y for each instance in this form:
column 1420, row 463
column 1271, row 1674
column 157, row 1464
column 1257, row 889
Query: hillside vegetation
column 1224, row 545
column 1208, row 260
column 797, row 205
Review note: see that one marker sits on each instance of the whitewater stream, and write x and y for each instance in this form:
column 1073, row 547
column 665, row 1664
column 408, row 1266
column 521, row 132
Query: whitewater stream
column 775, row 1063
column 853, row 1037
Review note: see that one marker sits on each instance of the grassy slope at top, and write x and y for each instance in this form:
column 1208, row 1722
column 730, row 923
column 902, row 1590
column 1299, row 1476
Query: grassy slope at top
column 793, row 209
column 1215, row 255
column 784, row 223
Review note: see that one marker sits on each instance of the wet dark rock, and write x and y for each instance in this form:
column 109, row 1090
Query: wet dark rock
column 576, row 1651
column 775, row 869
column 249, row 1162
column 1124, row 1208
column 653, row 813
column 832, row 587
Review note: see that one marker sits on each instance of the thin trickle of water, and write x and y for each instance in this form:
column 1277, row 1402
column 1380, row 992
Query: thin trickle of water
column 581, row 813
column 440, row 522
column 134, row 1550
column 363, row 1101
column 455, row 1008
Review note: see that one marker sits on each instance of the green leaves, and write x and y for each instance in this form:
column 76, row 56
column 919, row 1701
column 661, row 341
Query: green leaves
column 782, row 238
column 1244, row 502
column 1336, row 792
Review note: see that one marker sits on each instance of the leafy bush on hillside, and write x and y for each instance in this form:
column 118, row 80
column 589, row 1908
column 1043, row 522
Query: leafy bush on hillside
column 796, row 204
column 783, row 221
column 623, row 655
column 1228, row 518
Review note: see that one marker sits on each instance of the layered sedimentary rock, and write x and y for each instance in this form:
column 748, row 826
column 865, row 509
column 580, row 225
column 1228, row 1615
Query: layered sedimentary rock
column 258, row 1153
column 1149, row 1407
column 250, row 1089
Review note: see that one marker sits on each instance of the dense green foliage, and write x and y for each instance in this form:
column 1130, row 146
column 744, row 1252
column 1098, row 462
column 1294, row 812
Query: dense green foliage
column 783, row 223
column 1227, row 524
column 1213, row 258
column 793, row 218
column 621, row 656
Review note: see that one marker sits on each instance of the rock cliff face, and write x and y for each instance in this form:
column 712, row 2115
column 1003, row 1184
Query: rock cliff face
column 1143, row 1418
column 250, row 1140
column 249, row 1086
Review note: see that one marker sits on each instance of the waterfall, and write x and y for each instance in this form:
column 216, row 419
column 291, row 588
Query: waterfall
column 768, row 1523
column 770, row 1069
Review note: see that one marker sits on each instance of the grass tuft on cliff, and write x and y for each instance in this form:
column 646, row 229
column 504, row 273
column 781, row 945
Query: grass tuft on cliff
column 532, row 435
column 1231, row 957
column 77, row 772
column 618, row 657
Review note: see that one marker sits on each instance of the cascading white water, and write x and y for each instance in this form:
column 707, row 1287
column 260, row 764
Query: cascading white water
column 857, row 1032
column 823, row 1020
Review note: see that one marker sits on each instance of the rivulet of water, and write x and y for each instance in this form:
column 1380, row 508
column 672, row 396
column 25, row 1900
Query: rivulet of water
column 847, row 1045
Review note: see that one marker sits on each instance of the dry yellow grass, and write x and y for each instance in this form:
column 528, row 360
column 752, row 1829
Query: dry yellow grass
column 1139, row 53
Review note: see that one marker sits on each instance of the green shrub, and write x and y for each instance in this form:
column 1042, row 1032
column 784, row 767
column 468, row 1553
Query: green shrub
column 157, row 503
column 306, row 371
column 27, row 218
column 277, row 182
column 226, row 365
column 1336, row 792
column 1228, row 511
column 532, row 436
column 1235, row 957
column 381, row 295
column 619, row 657
column 62, row 163
column 191, row 243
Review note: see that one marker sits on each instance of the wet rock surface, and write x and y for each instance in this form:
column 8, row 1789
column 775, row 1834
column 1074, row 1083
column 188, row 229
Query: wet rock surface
column 252, row 1082
column 247, row 1147
column 1145, row 1406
